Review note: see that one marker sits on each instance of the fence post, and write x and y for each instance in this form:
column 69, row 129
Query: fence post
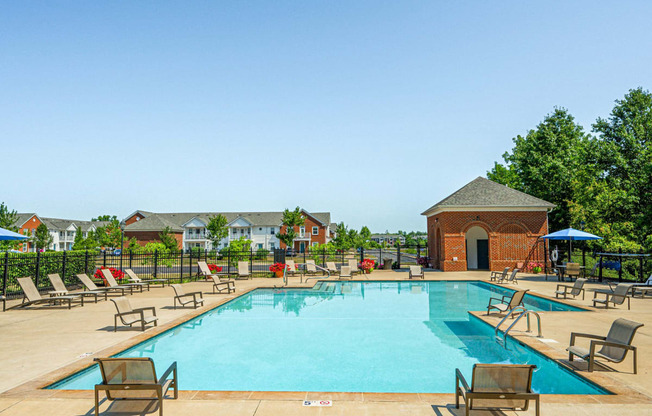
column 251, row 261
column 620, row 264
column 398, row 256
column 4, row 275
column 418, row 251
column 86, row 262
column 63, row 269
column 181, row 271
column 361, row 254
column 131, row 258
column 640, row 266
column 584, row 255
column 104, row 262
column 38, row 267
column 323, row 258
column 155, row 263
column 228, row 260
column 600, row 274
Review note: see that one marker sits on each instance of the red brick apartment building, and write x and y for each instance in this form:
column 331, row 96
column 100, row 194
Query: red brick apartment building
column 484, row 226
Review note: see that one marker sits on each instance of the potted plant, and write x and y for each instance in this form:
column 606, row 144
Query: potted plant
column 535, row 267
column 117, row 274
column 277, row 269
column 367, row 265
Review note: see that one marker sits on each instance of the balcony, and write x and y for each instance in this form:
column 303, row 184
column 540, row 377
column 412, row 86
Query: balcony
column 193, row 236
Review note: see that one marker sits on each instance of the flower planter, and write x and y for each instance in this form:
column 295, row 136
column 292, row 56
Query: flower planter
column 278, row 274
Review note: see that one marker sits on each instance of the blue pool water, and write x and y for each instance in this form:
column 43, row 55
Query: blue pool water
column 349, row 337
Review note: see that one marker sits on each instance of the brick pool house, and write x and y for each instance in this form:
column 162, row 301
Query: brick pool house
column 485, row 226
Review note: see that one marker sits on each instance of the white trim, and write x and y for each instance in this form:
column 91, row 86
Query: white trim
column 476, row 208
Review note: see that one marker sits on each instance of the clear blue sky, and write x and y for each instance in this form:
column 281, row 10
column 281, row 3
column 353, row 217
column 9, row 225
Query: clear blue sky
column 373, row 111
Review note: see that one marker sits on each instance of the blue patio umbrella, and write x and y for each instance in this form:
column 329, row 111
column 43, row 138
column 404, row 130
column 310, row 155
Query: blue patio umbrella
column 571, row 234
column 10, row 235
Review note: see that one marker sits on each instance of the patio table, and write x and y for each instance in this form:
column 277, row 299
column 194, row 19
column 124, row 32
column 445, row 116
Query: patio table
column 562, row 272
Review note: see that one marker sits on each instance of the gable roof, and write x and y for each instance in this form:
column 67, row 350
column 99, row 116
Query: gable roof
column 484, row 193
column 22, row 218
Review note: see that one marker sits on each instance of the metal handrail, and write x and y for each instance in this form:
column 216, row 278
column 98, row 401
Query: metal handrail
column 320, row 277
column 525, row 312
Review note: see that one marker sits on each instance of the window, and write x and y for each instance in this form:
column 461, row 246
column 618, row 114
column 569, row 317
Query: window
column 260, row 246
column 241, row 230
column 260, row 229
column 315, row 230
column 302, row 231
column 271, row 245
column 272, row 230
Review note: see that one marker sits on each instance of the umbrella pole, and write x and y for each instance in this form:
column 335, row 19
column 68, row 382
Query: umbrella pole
column 570, row 250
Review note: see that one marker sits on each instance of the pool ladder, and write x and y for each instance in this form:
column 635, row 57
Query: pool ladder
column 524, row 312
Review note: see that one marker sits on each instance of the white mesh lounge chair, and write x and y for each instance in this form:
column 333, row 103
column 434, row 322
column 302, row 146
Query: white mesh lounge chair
column 219, row 286
column 499, row 275
column 416, row 272
column 134, row 278
column 506, row 303
column 511, row 278
column 208, row 275
column 134, row 378
column 642, row 288
column 129, row 316
column 194, row 298
column 345, row 273
column 110, row 280
column 293, row 270
column 614, row 346
column 574, row 290
column 497, row 386
column 61, row 289
column 243, row 270
column 353, row 264
column 32, row 297
column 332, row 268
column 89, row 285
column 616, row 296
column 312, row 268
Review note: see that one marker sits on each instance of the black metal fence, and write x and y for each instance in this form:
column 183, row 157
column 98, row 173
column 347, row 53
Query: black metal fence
column 176, row 266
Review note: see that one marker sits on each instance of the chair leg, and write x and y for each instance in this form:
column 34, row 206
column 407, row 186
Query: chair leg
column 97, row 402
column 634, row 353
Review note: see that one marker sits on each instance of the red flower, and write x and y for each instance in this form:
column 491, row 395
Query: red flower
column 367, row 264
column 116, row 273
column 214, row 268
column 277, row 267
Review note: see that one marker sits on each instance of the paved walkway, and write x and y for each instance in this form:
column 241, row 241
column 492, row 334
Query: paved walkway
column 41, row 344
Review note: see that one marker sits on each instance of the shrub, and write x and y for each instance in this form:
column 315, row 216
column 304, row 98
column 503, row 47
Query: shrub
column 214, row 268
column 367, row 265
column 277, row 267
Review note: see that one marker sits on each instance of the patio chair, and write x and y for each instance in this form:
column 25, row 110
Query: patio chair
column 499, row 275
column 292, row 269
column 222, row 285
column 89, row 285
column 573, row 270
column 416, row 272
column 134, row 278
column 614, row 346
column 208, row 274
column 642, row 288
column 574, row 290
column 129, row 316
column 353, row 264
column 110, row 280
column 511, row 278
column 345, row 273
column 331, row 267
column 507, row 303
column 32, row 297
column 497, row 386
column 593, row 273
column 616, row 296
column 312, row 268
column 243, row 270
column 186, row 298
column 134, row 378
column 61, row 289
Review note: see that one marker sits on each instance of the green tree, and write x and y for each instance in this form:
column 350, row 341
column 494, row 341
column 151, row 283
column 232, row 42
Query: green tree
column 132, row 244
column 90, row 242
column 238, row 250
column 365, row 237
column 105, row 218
column 217, row 229
column 42, row 237
column 80, row 241
column 291, row 219
column 341, row 240
column 546, row 163
column 8, row 220
column 168, row 239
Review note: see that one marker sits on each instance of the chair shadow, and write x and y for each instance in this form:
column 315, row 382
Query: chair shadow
column 135, row 328
column 126, row 408
column 584, row 366
column 450, row 410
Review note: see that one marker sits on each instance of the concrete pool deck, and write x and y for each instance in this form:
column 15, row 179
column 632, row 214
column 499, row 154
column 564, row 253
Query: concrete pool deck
column 41, row 345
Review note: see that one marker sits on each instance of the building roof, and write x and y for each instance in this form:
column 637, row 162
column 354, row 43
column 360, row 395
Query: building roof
column 484, row 193
column 59, row 224
column 176, row 220
column 22, row 218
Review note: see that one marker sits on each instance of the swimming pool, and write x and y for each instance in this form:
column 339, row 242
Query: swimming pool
column 347, row 337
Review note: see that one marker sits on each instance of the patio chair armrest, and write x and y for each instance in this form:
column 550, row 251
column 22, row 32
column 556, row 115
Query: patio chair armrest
column 459, row 378
column 166, row 374
column 195, row 295
column 582, row 335
column 133, row 312
column 496, row 299
column 146, row 308
column 566, row 287
column 612, row 344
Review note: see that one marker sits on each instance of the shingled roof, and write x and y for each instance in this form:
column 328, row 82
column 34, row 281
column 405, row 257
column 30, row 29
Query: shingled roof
column 484, row 193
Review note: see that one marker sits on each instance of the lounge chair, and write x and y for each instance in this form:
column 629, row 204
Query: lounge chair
column 511, row 278
column 61, row 289
column 499, row 275
column 134, row 278
column 614, row 346
column 130, row 316
column 208, row 274
column 507, row 303
column 497, row 386
column 134, row 378
column 574, row 290
column 345, row 273
column 222, row 285
column 573, row 270
column 312, row 268
column 592, row 274
column 88, row 284
column 331, row 267
column 416, row 272
column 243, row 270
column 186, row 298
column 642, row 288
column 616, row 296
column 353, row 264
column 110, row 280
column 292, row 269
column 32, row 297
